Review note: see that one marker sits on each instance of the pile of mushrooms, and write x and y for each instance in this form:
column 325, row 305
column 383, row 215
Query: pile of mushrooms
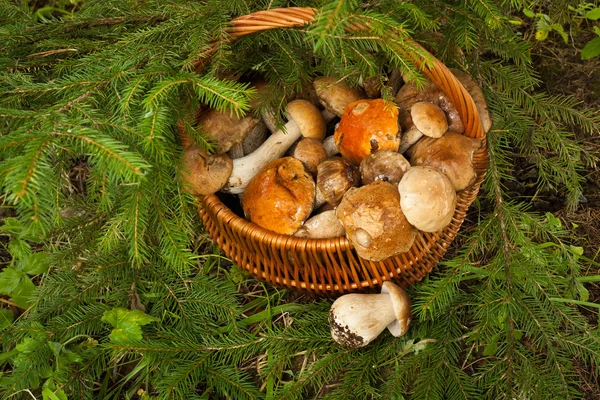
column 386, row 171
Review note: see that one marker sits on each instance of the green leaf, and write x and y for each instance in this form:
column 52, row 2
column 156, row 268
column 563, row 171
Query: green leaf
column 593, row 14
column 19, row 248
column 127, row 324
column 577, row 250
column 584, row 294
column 591, row 50
column 491, row 348
column 23, row 292
column 10, row 279
column 528, row 13
column 6, row 318
column 57, row 394
column 35, row 263
column 12, row 226
column 597, row 30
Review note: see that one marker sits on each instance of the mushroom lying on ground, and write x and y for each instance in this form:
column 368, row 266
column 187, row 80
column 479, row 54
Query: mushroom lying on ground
column 366, row 127
column 424, row 118
column 452, row 154
column 311, row 152
column 335, row 176
column 384, row 165
column 427, row 198
column 322, row 226
column 356, row 320
column 304, row 120
column 202, row 173
column 374, row 221
column 335, row 95
column 280, row 197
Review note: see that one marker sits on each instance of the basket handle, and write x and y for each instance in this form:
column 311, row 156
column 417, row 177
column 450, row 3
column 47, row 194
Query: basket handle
column 298, row 16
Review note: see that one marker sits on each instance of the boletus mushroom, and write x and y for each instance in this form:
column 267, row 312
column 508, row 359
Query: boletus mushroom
column 425, row 118
column 225, row 129
column 427, row 198
column 366, row 127
column 335, row 175
column 202, row 173
column 384, row 165
column 280, row 197
column 304, row 119
column 356, row 319
column 374, row 221
column 452, row 154
column 335, row 95
column 311, row 152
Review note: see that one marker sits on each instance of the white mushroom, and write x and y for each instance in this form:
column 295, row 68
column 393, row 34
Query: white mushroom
column 357, row 319
column 425, row 118
column 322, row 226
column 304, row 119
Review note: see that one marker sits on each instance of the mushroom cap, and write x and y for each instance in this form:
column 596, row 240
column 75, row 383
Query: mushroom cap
column 335, row 175
column 280, row 197
column 427, row 198
column 225, row 129
column 308, row 118
column 335, row 95
column 311, row 152
column 366, row 127
column 374, row 221
column 409, row 94
column 477, row 95
column 384, row 165
column 452, row 154
column 204, row 174
column 429, row 119
column 402, row 308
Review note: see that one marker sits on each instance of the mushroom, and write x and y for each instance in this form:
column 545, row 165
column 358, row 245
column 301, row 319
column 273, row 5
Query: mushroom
column 202, row 173
column 280, row 197
column 371, row 86
column 322, row 226
column 335, row 176
column 409, row 94
column 226, row 129
column 452, row 154
column 425, row 118
column 335, row 95
column 304, row 120
column 311, row 152
column 427, row 198
column 356, row 320
column 366, row 127
column 330, row 146
column 374, row 221
column 383, row 165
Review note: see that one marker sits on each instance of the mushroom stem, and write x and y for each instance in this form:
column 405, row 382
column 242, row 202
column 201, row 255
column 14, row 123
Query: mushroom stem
column 245, row 168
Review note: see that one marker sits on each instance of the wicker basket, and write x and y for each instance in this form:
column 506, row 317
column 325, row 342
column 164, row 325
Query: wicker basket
column 330, row 267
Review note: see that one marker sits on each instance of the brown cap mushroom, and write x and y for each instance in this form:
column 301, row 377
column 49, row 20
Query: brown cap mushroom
column 311, row 152
column 427, row 198
column 374, row 221
column 366, row 127
column 452, row 154
column 384, row 165
column 322, row 226
column 425, row 118
column 304, row 120
column 280, row 197
column 356, row 320
column 335, row 176
column 335, row 95
column 202, row 173
column 226, row 129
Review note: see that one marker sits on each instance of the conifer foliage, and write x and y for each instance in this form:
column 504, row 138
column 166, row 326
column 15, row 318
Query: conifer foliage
column 126, row 296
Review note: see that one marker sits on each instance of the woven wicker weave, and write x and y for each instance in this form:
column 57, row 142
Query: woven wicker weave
column 330, row 267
